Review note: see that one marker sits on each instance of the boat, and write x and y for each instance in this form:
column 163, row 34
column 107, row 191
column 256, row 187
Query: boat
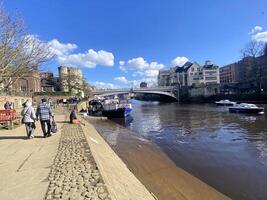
column 246, row 108
column 225, row 102
column 116, row 109
column 125, row 121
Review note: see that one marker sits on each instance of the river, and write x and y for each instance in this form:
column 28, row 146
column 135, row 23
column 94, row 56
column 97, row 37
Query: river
column 225, row 150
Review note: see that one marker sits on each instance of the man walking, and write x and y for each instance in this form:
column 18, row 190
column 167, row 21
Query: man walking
column 44, row 113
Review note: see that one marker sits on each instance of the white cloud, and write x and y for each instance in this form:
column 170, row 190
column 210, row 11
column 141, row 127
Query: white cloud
column 260, row 37
column 60, row 49
column 121, row 79
column 140, row 68
column 139, row 63
column 151, row 73
column 136, row 83
column 91, row 58
column 122, row 68
column 179, row 61
column 103, row 85
column 255, row 30
column 122, row 63
column 152, row 82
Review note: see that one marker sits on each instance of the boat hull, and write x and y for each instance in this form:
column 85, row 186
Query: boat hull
column 225, row 104
column 118, row 113
column 246, row 110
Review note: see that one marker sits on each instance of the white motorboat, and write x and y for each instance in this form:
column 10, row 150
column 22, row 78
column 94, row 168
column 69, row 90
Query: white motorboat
column 225, row 102
column 246, row 108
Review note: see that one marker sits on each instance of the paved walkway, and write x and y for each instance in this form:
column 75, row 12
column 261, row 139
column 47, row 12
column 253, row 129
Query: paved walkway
column 64, row 166
column 25, row 164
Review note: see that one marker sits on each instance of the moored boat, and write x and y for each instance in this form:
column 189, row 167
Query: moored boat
column 116, row 109
column 225, row 102
column 246, row 108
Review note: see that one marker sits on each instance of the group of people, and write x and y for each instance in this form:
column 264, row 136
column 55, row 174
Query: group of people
column 43, row 113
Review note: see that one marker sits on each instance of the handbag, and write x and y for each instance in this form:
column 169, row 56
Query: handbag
column 23, row 116
column 54, row 127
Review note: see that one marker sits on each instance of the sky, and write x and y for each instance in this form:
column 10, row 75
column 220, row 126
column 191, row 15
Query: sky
column 119, row 43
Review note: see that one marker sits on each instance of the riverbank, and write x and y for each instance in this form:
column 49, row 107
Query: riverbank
column 77, row 163
column 74, row 163
column 155, row 170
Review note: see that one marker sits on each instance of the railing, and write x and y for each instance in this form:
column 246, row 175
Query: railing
column 130, row 89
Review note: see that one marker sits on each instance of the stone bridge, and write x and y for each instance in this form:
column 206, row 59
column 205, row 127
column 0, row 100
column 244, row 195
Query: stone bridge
column 165, row 93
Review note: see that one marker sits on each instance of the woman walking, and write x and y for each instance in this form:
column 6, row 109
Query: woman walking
column 28, row 118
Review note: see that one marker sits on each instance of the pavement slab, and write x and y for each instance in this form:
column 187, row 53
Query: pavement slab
column 25, row 163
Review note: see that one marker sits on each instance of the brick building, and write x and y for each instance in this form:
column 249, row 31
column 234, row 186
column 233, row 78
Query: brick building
column 49, row 83
column 229, row 74
column 27, row 85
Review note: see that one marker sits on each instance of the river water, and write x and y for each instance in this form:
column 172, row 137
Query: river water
column 225, row 150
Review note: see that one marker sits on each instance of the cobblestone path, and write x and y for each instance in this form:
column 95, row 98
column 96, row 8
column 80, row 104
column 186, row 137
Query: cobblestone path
column 74, row 174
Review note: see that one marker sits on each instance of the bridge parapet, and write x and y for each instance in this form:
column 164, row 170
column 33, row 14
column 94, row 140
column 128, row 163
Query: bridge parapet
column 165, row 92
column 164, row 89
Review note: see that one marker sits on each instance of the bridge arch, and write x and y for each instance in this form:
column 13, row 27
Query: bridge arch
column 164, row 96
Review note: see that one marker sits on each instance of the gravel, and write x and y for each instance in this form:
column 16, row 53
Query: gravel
column 74, row 174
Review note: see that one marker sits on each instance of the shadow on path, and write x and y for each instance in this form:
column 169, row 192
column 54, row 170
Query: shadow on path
column 63, row 122
column 17, row 137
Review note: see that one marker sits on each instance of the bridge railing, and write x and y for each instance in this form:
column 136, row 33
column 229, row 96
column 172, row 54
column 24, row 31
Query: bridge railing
column 138, row 89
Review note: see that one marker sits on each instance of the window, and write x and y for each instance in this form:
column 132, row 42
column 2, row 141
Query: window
column 211, row 78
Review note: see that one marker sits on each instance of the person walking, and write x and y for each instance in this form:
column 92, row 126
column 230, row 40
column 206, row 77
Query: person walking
column 44, row 113
column 28, row 118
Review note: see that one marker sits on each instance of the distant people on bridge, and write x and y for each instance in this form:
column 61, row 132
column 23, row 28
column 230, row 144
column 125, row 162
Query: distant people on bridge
column 44, row 113
column 28, row 118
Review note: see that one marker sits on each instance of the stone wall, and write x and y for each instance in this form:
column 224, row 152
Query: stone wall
column 17, row 100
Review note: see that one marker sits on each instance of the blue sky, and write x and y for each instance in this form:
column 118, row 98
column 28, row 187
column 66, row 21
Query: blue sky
column 122, row 42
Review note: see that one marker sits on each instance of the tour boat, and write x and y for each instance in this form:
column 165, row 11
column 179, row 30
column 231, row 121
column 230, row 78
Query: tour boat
column 225, row 102
column 115, row 109
column 246, row 108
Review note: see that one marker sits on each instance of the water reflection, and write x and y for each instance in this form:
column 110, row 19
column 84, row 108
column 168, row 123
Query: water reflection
column 123, row 121
column 226, row 150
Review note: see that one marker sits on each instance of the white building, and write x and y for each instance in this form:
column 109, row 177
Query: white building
column 211, row 73
column 192, row 75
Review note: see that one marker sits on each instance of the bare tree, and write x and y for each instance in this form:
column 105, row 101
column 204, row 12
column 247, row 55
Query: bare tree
column 253, row 49
column 20, row 53
column 253, row 69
